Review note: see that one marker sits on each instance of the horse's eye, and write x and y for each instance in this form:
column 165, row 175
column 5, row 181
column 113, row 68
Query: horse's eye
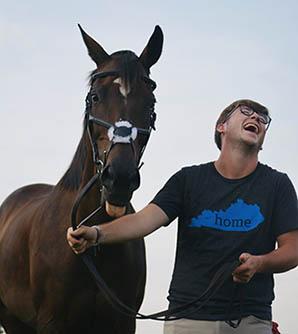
column 94, row 98
column 152, row 85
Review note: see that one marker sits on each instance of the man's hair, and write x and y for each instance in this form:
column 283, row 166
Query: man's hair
column 226, row 113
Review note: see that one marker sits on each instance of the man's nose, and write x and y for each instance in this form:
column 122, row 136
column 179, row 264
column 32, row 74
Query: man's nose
column 256, row 116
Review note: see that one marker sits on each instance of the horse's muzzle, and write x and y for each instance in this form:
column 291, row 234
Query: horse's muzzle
column 119, row 183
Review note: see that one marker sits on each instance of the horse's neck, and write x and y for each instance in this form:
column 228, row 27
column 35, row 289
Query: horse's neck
column 79, row 173
column 92, row 198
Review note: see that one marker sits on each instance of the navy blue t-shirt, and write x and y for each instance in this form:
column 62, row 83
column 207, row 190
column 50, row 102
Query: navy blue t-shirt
column 218, row 219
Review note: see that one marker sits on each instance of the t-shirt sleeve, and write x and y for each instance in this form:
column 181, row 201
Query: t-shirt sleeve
column 285, row 211
column 170, row 197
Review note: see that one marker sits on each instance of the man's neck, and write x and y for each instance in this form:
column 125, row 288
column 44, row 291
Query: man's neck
column 235, row 164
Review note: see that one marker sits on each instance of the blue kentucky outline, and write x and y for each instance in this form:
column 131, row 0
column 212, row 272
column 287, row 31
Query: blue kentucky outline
column 239, row 216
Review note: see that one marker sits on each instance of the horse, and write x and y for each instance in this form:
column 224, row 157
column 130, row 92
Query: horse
column 44, row 286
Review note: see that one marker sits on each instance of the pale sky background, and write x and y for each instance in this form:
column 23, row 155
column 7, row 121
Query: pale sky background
column 214, row 53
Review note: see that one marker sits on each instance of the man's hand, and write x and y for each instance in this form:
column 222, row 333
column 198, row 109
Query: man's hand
column 250, row 265
column 128, row 227
column 82, row 238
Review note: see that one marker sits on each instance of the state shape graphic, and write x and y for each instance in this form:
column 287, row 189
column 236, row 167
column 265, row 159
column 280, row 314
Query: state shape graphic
column 239, row 216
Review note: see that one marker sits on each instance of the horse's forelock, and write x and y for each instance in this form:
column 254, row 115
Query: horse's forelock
column 126, row 63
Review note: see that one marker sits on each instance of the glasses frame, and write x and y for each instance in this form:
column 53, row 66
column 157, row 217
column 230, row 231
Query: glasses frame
column 264, row 118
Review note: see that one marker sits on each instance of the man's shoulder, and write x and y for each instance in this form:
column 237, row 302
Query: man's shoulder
column 271, row 172
column 274, row 177
column 197, row 168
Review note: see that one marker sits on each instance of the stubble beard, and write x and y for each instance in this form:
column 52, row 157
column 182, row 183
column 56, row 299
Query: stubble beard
column 251, row 148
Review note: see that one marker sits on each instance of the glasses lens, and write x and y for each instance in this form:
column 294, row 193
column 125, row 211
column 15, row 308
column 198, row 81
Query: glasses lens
column 246, row 110
column 264, row 118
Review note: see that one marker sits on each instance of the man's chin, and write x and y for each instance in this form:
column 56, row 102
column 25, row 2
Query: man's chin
column 252, row 147
column 252, row 144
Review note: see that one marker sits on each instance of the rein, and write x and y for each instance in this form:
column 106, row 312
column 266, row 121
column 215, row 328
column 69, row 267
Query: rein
column 220, row 277
column 123, row 132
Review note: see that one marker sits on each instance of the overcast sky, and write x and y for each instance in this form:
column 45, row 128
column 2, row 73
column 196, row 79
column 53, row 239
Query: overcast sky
column 214, row 53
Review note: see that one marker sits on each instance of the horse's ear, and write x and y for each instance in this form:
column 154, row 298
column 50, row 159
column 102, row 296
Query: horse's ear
column 95, row 51
column 152, row 51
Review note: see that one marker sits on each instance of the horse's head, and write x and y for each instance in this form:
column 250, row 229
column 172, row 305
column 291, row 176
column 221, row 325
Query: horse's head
column 120, row 115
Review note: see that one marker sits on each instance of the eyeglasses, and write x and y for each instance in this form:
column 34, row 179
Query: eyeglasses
column 264, row 118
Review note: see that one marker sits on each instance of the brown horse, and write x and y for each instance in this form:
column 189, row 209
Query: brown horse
column 44, row 287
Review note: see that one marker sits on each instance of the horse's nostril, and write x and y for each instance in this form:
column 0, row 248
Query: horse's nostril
column 114, row 179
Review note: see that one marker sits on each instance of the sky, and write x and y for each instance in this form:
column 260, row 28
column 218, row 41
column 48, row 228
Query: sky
column 214, row 52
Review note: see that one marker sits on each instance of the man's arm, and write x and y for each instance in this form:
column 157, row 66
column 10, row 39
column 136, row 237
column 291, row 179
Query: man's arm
column 132, row 226
column 284, row 258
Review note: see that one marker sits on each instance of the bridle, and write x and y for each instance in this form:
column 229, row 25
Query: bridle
column 121, row 131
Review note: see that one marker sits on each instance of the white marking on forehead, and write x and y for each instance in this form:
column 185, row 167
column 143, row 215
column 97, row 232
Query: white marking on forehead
column 123, row 90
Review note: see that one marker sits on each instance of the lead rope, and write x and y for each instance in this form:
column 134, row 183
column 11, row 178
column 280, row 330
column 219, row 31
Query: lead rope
column 238, row 292
column 77, row 202
column 176, row 313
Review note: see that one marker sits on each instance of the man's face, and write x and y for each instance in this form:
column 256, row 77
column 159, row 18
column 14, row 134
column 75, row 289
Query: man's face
column 244, row 126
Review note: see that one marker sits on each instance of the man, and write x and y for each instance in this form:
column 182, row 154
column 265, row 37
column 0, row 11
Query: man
column 233, row 208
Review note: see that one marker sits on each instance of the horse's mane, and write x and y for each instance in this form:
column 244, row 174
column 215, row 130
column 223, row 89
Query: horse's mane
column 71, row 180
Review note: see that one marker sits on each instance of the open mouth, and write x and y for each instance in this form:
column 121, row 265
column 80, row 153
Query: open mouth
column 251, row 128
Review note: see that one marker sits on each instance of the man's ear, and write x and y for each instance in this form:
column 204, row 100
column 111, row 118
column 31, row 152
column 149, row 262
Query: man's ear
column 220, row 127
